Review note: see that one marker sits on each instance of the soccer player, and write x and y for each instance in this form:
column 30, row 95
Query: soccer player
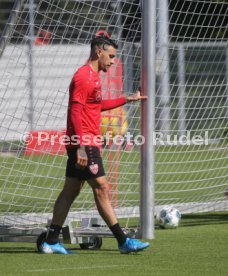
column 84, row 160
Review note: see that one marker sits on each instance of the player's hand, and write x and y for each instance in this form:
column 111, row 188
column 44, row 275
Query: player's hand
column 82, row 159
column 136, row 97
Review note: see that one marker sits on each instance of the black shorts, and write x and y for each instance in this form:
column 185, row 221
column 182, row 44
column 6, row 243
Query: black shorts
column 94, row 168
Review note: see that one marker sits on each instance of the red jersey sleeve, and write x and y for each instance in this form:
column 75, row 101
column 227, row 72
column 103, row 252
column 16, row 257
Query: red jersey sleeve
column 76, row 119
column 80, row 87
column 110, row 104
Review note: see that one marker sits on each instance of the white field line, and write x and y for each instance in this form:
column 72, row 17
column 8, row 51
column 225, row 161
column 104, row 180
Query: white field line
column 77, row 268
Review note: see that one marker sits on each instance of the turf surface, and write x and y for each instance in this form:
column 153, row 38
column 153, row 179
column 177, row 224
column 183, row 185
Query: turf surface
column 182, row 174
column 197, row 247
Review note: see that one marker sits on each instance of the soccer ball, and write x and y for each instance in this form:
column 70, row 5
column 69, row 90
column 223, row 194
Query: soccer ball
column 168, row 217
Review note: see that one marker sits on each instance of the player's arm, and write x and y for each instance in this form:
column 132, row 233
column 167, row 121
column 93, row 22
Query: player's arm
column 82, row 158
column 79, row 98
column 136, row 97
column 76, row 119
column 114, row 103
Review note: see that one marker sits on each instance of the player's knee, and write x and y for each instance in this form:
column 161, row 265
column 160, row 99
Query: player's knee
column 102, row 190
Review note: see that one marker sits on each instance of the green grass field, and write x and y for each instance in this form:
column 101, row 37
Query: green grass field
column 197, row 247
column 183, row 174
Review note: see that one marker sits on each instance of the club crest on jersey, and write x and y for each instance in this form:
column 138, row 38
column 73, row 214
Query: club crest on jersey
column 93, row 168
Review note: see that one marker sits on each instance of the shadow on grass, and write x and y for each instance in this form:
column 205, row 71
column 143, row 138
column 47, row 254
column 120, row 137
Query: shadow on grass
column 16, row 249
column 204, row 219
column 28, row 250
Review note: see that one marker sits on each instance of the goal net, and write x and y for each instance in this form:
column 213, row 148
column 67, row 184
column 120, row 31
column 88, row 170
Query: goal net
column 45, row 42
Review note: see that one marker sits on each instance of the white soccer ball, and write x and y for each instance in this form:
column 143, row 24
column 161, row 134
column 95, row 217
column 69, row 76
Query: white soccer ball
column 168, row 217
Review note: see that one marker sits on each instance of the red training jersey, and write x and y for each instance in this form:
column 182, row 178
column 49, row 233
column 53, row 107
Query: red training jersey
column 85, row 106
column 85, row 89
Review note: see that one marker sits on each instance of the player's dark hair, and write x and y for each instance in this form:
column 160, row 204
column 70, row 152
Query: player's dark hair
column 102, row 41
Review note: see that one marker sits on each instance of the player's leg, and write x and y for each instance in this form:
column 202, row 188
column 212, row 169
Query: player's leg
column 62, row 205
column 101, row 195
column 98, row 182
column 73, row 184
column 71, row 190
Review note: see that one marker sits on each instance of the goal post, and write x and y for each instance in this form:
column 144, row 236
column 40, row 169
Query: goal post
column 176, row 139
column 147, row 200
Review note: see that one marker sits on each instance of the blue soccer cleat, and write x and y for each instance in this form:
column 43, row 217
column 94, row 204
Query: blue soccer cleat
column 54, row 248
column 133, row 245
